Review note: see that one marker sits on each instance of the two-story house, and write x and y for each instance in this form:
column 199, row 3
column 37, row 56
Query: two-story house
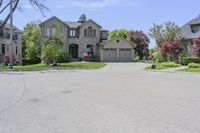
column 87, row 36
column 5, row 41
column 189, row 31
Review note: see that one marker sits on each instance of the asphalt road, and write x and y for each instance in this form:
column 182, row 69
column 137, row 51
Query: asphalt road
column 121, row 98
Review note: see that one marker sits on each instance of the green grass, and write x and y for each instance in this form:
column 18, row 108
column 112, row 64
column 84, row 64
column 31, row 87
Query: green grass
column 197, row 70
column 164, row 65
column 63, row 66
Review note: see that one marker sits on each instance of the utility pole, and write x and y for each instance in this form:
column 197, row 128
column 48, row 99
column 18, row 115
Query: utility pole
column 11, row 35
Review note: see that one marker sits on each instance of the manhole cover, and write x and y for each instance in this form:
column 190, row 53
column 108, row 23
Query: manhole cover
column 67, row 91
column 34, row 100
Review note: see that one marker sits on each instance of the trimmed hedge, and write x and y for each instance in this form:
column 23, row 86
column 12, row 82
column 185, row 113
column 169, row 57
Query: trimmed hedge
column 30, row 62
column 169, row 64
column 187, row 60
column 193, row 65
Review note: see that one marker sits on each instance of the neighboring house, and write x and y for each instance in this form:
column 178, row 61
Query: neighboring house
column 5, row 41
column 84, row 37
column 189, row 31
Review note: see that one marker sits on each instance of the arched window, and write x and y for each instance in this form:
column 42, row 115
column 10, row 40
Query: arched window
column 90, row 49
column 90, row 32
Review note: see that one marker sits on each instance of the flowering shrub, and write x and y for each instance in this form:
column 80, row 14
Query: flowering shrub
column 196, row 42
column 171, row 49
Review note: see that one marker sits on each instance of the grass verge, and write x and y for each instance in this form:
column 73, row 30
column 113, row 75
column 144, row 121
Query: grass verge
column 63, row 66
column 196, row 70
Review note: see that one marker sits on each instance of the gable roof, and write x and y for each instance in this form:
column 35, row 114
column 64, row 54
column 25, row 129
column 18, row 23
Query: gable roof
column 7, row 26
column 73, row 24
column 186, row 31
column 54, row 17
column 90, row 20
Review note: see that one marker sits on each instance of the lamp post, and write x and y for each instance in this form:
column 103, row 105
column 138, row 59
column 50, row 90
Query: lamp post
column 11, row 36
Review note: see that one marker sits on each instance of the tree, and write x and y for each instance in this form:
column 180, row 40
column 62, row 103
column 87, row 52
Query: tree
column 119, row 33
column 171, row 49
column 164, row 32
column 51, row 50
column 196, row 42
column 32, row 43
column 4, row 6
column 142, row 42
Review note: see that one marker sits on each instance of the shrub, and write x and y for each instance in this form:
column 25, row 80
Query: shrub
column 187, row 60
column 158, row 57
column 30, row 62
column 169, row 64
column 193, row 65
column 64, row 57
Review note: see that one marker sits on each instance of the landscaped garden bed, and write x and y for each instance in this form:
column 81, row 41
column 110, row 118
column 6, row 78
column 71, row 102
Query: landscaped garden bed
column 192, row 67
column 162, row 66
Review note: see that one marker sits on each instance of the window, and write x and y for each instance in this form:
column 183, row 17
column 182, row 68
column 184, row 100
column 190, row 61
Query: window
column 1, row 33
column 7, row 35
column 85, row 32
column 15, row 37
column 53, row 29
column 90, row 32
column 48, row 31
column 195, row 28
column 62, row 31
column 3, row 49
column 90, row 48
column 94, row 33
column 16, row 50
column 72, row 33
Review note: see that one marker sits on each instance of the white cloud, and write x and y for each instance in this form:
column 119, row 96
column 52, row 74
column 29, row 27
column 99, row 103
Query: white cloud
column 97, row 4
column 26, row 6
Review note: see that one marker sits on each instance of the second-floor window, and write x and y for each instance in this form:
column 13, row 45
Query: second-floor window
column 1, row 33
column 72, row 33
column 195, row 28
column 89, row 32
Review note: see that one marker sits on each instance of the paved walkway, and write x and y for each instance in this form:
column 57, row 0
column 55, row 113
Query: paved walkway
column 121, row 98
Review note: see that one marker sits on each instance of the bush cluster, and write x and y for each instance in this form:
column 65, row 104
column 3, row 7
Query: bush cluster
column 169, row 64
column 193, row 65
column 187, row 60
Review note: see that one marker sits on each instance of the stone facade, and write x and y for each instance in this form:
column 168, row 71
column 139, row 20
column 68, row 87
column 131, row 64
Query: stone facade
column 5, row 41
column 79, row 38
column 189, row 31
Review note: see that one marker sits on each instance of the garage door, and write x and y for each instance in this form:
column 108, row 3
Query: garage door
column 125, row 55
column 110, row 55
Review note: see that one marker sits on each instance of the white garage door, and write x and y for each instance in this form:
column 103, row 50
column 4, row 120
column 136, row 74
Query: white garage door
column 125, row 55
column 110, row 55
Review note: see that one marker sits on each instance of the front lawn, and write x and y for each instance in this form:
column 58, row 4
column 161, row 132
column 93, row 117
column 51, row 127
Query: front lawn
column 63, row 66
column 164, row 65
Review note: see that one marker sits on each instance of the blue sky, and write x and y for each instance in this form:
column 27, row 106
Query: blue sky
column 113, row 14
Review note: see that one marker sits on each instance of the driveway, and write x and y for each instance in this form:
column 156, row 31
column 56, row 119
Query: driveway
column 121, row 98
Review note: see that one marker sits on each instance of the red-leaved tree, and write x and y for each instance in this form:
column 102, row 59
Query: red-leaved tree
column 142, row 41
column 196, row 42
column 171, row 49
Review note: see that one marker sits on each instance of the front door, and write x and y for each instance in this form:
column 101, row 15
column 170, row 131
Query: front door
column 73, row 50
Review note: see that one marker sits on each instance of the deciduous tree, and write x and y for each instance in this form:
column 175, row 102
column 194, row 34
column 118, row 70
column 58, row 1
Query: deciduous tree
column 171, row 49
column 119, row 33
column 142, row 43
column 4, row 8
